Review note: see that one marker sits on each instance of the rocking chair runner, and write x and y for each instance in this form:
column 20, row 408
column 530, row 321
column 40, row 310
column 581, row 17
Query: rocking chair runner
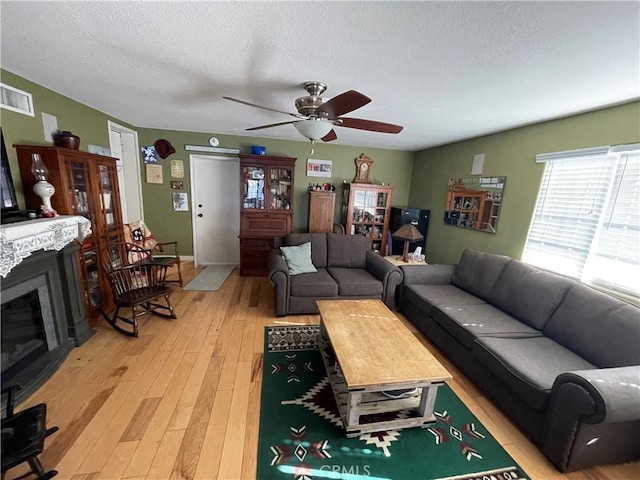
column 23, row 435
column 166, row 253
column 136, row 285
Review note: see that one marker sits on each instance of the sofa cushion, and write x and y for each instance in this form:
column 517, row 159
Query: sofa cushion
column 347, row 250
column 477, row 272
column 318, row 246
column 528, row 293
column 354, row 282
column 298, row 258
column 427, row 297
column 318, row 284
column 528, row 366
column 600, row 328
column 467, row 322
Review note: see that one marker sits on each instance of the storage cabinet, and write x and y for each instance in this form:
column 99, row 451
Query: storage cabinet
column 365, row 211
column 465, row 208
column 86, row 184
column 322, row 204
column 266, row 208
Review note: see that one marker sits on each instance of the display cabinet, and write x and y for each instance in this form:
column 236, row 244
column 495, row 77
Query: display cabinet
column 86, row 184
column 266, row 208
column 365, row 211
column 465, row 208
column 322, row 204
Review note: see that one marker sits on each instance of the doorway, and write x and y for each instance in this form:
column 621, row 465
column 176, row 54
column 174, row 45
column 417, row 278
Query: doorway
column 123, row 143
column 215, row 191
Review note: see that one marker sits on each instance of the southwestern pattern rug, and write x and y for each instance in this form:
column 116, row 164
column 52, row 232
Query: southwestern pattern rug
column 301, row 435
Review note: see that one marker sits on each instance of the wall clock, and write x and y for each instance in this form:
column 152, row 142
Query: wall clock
column 363, row 169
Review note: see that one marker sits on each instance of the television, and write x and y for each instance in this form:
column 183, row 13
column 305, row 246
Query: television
column 10, row 209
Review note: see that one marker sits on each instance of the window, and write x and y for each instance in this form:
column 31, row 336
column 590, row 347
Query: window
column 586, row 222
column 16, row 100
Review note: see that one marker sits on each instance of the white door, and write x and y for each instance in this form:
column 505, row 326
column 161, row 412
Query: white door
column 124, row 146
column 215, row 190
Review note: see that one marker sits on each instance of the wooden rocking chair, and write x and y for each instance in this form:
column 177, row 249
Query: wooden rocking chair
column 136, row 285
column 23, row 435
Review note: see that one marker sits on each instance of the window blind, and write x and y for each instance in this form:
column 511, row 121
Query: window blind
column 586, row 222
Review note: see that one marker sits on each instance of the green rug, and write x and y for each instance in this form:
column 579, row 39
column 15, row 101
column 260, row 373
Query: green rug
column 211, row 278
column 301, row 435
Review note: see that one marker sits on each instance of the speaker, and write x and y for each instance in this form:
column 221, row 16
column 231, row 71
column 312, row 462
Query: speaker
column 403, row 215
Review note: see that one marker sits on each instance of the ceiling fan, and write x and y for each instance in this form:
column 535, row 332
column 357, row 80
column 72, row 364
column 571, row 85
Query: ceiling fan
column 317, row 116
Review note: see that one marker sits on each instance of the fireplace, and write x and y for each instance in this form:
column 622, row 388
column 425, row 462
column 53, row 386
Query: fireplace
column 43, row 316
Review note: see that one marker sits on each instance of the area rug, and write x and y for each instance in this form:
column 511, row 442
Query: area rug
column 211, row 278
column 301, row 435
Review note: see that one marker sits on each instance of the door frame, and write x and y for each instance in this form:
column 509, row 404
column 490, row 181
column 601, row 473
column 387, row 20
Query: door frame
column 113, row 126
column 192, row 177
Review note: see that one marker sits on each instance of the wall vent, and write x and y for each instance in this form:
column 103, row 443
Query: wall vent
column 16, row 100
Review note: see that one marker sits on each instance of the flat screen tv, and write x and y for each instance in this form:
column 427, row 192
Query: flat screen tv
column 10, row 207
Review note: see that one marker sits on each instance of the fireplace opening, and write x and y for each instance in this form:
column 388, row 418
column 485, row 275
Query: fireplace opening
column 23, row 339
column 28, row 327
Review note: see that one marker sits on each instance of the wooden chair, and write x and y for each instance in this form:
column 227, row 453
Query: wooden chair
column 136, row 284
column 166, row 253
column 23, row 435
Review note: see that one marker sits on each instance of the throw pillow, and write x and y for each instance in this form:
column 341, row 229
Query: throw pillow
column 298, row 258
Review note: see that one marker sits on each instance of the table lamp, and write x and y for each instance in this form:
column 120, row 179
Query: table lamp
column 409, row 233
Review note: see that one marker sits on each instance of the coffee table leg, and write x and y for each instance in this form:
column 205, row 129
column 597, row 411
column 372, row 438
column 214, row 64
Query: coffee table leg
column 353, row 408
column 428, row 401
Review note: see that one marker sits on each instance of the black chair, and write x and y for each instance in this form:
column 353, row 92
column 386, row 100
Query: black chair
column 135, row 284
column 23, row 435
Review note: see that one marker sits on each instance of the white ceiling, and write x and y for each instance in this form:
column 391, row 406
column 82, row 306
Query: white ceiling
column 445, row 70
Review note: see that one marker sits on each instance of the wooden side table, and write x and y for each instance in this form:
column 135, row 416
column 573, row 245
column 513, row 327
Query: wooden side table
column 395, row 259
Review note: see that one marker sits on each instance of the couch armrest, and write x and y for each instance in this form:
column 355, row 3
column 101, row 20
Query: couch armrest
column 387, row 273
column 611, row 393
column 428, row 274
column 279, row 278
column 584, row 405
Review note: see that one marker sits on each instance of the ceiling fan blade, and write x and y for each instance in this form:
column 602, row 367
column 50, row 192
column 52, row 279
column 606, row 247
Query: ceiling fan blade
column 297, row 115
column 344, row 103
column 371, row 125
column 329, row 137
column 273, row 125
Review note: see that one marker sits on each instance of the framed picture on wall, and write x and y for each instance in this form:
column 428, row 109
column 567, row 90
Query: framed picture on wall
column 180, row 202
column 319, row 168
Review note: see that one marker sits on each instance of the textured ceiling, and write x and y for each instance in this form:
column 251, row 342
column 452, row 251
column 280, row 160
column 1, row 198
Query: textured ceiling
column 445, row 70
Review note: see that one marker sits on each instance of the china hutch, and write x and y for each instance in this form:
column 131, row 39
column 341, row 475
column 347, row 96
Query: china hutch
column 266, row 208
column 321, row 207
column 366, row 210
column 86, row 184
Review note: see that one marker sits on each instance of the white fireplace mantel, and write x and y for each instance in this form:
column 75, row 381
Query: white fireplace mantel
column 19, row 240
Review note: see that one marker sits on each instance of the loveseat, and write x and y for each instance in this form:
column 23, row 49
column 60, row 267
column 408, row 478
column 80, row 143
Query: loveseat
column 346, row 267
column 560, row 358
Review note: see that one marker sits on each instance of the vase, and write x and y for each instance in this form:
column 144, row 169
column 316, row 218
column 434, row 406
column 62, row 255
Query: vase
column 66, row 139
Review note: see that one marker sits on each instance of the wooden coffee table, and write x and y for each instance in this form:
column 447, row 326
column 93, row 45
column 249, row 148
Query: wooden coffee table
column 376, row 352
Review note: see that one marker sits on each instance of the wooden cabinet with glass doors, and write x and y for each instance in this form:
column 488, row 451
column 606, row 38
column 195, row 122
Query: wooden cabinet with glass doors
column 86, row 184
column 266, row 208
column 365, row 211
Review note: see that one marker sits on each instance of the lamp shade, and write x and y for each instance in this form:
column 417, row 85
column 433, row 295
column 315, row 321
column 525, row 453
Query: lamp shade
column 408, row 232
column 313, row 129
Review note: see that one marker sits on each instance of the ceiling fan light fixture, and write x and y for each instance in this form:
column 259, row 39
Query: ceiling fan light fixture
column 313, row 129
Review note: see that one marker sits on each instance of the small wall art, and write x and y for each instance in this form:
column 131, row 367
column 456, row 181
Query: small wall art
column 154, row 173
column 180, row 202
column 177, row 169
column 319, row 168
column 149, row 154
column 177, row 184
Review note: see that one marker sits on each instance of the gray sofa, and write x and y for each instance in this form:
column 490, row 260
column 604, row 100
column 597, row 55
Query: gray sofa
column 347, row 269
column 560, row 358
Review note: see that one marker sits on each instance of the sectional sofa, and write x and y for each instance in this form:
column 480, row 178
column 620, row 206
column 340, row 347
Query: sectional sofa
column 560, row 358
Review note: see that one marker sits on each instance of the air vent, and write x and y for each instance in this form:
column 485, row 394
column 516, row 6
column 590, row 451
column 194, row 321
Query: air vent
column 16, row 100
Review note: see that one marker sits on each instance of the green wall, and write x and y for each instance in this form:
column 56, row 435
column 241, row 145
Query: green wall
column 89, row 124
column 511, row 154
column 390, row 166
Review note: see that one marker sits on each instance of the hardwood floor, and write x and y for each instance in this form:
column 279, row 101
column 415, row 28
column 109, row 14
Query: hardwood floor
column 183, row 399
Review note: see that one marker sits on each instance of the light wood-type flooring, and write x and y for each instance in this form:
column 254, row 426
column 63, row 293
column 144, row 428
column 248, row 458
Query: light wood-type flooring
column 183, row 399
